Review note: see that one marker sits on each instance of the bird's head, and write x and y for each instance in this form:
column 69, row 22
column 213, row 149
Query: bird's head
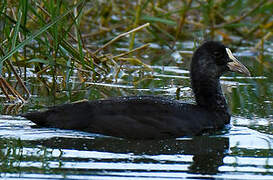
column 212, row 59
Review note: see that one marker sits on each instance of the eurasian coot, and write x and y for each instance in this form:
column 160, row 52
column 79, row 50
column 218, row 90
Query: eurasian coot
column 155, row 117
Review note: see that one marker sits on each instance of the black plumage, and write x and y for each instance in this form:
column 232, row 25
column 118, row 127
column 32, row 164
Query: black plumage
column 155, row 117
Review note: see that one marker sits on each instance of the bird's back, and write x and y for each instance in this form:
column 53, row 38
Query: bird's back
column 135, row 117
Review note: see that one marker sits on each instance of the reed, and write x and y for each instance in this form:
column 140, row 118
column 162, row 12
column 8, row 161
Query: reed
column 62, row 39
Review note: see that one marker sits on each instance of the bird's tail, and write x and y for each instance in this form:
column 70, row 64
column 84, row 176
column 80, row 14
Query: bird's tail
column 38, row 118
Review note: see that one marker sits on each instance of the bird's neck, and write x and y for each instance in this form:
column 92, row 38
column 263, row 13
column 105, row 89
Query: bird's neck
column 208, row 94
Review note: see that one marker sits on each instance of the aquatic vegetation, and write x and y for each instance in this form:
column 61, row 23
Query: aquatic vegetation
column 86, row 39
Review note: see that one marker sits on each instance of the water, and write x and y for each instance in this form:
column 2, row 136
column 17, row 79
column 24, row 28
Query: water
column 241, row 151
column 237, row 153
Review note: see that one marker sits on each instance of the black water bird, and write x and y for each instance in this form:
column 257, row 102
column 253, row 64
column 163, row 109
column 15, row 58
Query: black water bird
column 155, row 117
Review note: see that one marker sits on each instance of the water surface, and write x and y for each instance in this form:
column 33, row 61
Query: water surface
column 241, row 151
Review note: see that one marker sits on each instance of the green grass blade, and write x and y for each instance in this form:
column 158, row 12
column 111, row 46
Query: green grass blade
column 158, row 20
column 38, row 60
column 15, row 35
column 43, row 29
